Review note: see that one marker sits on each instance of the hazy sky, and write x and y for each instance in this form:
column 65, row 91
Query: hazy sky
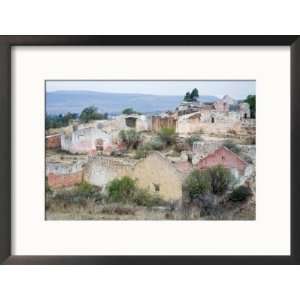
column 236, row 89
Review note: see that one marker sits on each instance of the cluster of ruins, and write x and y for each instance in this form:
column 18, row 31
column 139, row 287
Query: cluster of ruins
column 90, row 148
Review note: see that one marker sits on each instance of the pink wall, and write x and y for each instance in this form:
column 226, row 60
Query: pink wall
column 224, row 157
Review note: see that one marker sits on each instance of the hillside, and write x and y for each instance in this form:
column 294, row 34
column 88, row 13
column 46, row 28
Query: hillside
column 74, row 101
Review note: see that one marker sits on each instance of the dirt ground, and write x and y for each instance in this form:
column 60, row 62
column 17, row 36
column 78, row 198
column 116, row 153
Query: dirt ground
column 94, row 211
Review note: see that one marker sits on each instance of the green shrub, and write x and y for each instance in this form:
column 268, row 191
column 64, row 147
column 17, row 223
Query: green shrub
column 124, row 190
column 157, row 144
column 198, row 183
column 81, row 193
column 84, row 189
column 145, row 198
column 232, row 146
column 91, row 113
column 193, row 138
column 130, row 138
column 129, row 111
column 142, row 151
column 121, row 190
column 240, row 193
column 214, row 180
column 167, row 135
column 220, row 179
column 47, row 187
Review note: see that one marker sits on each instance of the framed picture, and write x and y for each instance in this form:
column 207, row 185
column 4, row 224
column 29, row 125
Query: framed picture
column 149, row 149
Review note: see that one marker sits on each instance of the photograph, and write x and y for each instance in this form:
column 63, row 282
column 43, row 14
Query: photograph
column 150, row 150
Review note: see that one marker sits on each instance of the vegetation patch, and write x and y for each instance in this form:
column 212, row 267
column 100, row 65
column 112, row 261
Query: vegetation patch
column 215, row 180
column 125, row 190
column 130, row 138
column 240, row 193
column 231, row 145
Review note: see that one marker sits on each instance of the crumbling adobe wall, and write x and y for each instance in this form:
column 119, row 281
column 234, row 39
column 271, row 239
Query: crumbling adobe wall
column 203, row 148
column 223, row 157
column 102, row 169
column 84, row 140
column 53, row 141
column 156, row 174
column 61, row 175
column 161, row 122
column 209, row 122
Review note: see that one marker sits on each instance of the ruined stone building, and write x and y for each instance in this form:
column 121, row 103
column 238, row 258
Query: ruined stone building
column 201, row 149
column 86, row 140
column 225, row 157
column 102, row 169
column 158, row 175
column 159, row 122
column 193, row 116
column 64, row 174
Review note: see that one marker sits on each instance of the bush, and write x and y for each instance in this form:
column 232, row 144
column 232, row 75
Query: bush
column 91, row 113
column 193, row 138
column 198, row 183
column 47, row 187
column 121, row 190
column 145, row 198
column 80, row 193
column 220, row 178
column 129, row 111
column 84, row 189
column 157, row 144
column 124, row 190
column 232, row 146
column 167, row 135
column 130, row 138
column 141, row 153
column 240, row 193
column 57, row 121
column 214, row 180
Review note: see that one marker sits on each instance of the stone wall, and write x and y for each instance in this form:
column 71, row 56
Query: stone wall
column 203, row 148
column 102, row 169
column 159, row 122
column 156, row 174
column 53, row 141
column 209, row 122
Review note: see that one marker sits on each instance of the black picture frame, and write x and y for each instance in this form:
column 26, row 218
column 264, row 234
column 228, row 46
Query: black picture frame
column 7, row 42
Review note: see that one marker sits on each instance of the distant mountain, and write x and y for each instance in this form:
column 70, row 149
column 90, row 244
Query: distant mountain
column 75, row 101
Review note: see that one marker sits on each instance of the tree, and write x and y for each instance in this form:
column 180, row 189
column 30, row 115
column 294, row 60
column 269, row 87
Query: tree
column 251, row 100
column 167, row 135
column 232, row 146
column 188, row 97
column 240, row 193
column 130, row 138
column 197, row 184
column 129, row 111
column 57, row 121
column 91, row 113
column 194, row 94
column 221, row 178
column 121, row 190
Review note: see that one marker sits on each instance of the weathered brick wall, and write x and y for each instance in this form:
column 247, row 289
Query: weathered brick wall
column 53, row 141
column 64, row 180
column 64, row 175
